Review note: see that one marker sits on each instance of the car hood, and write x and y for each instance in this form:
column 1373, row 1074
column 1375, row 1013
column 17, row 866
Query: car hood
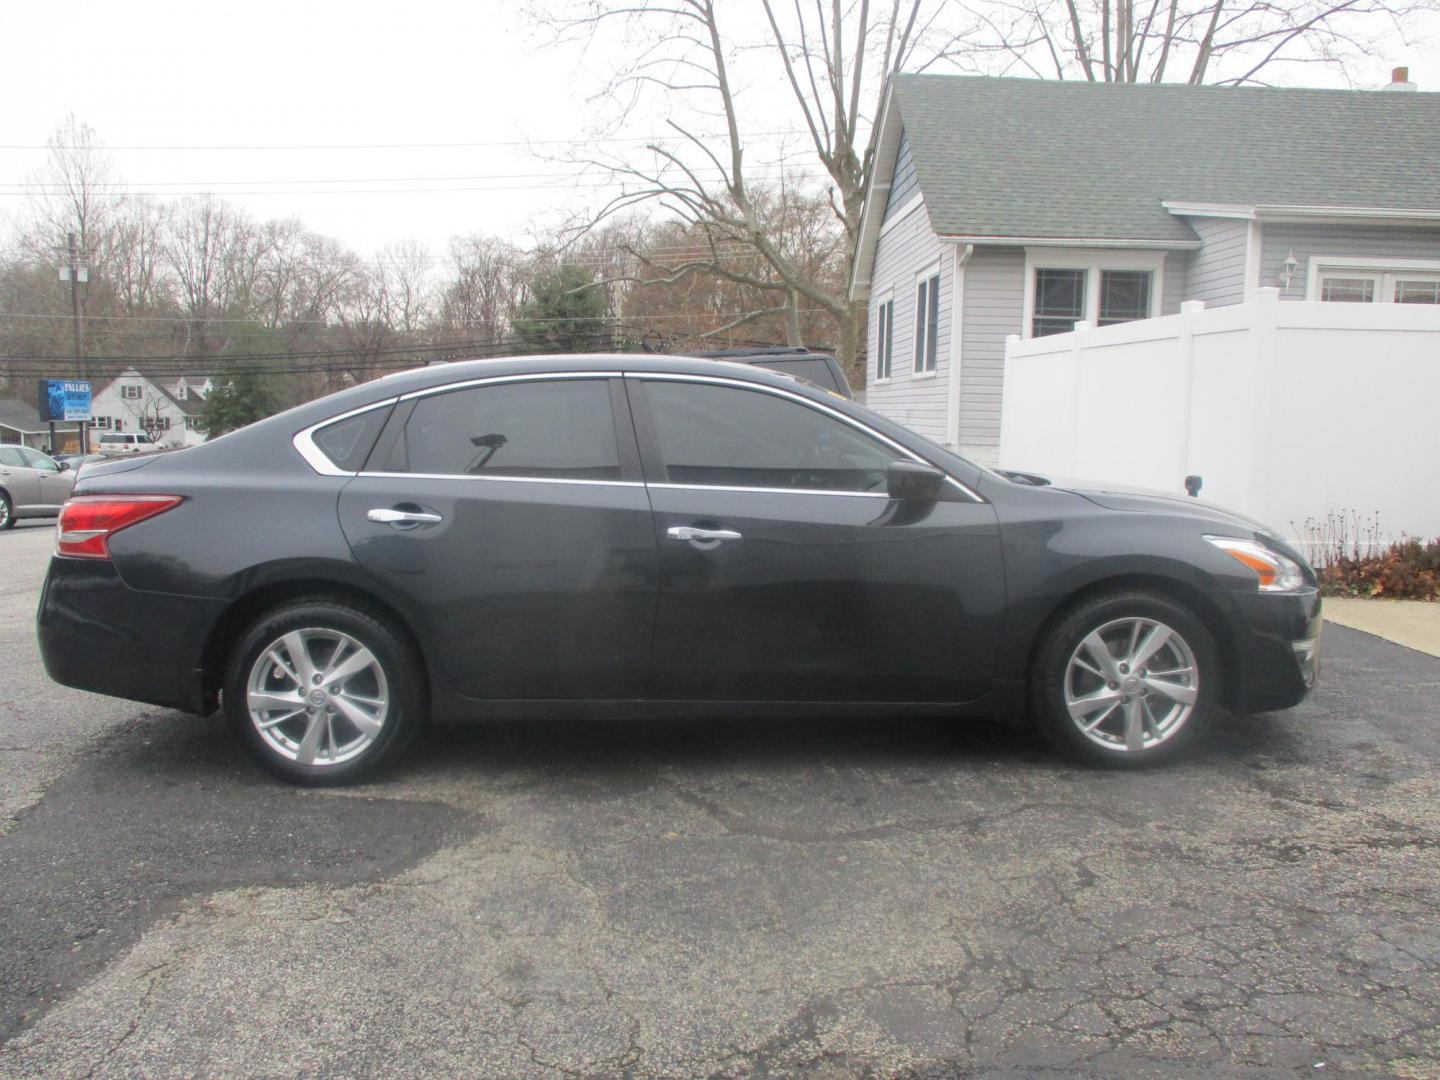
column 1141, row 500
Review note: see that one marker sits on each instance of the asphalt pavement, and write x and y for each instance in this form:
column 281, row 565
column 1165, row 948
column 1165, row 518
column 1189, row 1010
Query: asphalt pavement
column 694, row 898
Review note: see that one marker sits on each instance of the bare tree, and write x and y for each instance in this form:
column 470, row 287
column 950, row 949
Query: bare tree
column 73, row 191
column 832, row 62
column 1225, row 42
column 488, row 282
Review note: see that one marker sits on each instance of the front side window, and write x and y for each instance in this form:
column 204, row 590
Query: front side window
column 721, row 436
column 36, row 460
column 1059, row 301
column 553, row 429
column 927, row 323
column 884, row 339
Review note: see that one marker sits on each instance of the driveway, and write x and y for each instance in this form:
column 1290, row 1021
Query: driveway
column 688, row 898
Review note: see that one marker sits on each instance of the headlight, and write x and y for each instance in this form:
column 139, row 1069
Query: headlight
column 1277, row 573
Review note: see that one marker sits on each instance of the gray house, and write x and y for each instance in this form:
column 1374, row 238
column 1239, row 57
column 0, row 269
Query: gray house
column 1015, row 206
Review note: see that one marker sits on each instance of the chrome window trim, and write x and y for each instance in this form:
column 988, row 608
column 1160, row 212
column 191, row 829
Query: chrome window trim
column 801, row 399
column 773, row 490
column 488, row 379
column 304, row 441
column 502, row 479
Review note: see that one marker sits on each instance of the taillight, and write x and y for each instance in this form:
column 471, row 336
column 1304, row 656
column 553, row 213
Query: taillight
column 88, row 521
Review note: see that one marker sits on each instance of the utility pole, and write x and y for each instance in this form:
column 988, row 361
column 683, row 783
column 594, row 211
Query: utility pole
column 76, row 274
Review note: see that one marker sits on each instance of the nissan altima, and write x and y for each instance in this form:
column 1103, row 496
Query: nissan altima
column 625, row 536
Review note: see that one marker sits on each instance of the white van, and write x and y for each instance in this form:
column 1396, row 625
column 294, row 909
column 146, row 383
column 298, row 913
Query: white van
column 127, row 442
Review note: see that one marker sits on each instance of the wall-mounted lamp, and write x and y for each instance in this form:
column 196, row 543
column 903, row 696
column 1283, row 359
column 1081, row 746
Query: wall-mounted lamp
column 1288, row 268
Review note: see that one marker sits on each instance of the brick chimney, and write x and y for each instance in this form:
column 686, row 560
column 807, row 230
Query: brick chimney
column 1400, row 80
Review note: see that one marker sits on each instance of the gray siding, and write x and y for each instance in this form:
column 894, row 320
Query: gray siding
column 904, row 251
column 993, row 304
column 1217, row 271
column 1349, row 241
column 1172, row 285
column 904, row 183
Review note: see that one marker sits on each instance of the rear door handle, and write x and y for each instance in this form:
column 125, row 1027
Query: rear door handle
column 385, row 516
column 689, row 532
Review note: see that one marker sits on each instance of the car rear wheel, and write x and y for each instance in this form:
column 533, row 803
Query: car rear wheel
column 7, row 512
column 1125, row 680
column 322, row 692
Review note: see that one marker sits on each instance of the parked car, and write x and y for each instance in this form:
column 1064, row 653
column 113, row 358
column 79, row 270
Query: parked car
column 821, row 369
column 127, row 442
column 32, row 484
column 591, row 536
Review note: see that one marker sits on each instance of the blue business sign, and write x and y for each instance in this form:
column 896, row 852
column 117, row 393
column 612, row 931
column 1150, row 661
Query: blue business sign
column 64, row 399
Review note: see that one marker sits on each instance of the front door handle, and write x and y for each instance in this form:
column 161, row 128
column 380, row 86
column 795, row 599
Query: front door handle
column 386, row 516
column 689, row 532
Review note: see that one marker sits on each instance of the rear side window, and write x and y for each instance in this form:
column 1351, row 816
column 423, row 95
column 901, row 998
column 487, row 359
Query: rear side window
column 813, row 371
column 347, row 442
column 730, row 437
column 11, row 456
column 552, row 429
column 112, row 439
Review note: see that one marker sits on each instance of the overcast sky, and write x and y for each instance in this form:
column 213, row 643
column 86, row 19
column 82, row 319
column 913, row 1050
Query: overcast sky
column 318, row 74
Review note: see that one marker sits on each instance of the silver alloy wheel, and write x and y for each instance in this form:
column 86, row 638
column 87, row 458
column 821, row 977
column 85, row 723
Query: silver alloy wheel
column 317, row 696
column 1131, row 684
column 4, row 511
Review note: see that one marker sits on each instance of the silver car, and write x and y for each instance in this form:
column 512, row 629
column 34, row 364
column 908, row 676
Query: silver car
column 31, row 485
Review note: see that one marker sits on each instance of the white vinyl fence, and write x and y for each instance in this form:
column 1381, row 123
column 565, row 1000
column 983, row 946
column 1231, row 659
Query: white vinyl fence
column 1288, row 412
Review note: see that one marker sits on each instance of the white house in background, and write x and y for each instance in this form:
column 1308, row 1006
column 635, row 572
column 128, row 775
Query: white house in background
column 167, row 408
column 1007, row 207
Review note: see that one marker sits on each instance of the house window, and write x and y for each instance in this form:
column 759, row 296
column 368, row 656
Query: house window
column 1335, row 289
column 130, row 393
column 102, row 423
column 884, row 340
column 1373, row 281
column 1417, row 292
column 162, row 423
column 1059, row 301
column 1124, row 296
column 927, row 324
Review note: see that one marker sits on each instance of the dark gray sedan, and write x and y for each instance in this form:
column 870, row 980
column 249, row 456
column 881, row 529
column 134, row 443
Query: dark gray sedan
column 623, row 535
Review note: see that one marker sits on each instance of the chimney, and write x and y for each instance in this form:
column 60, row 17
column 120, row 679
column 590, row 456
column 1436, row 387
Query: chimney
column 1400, row 80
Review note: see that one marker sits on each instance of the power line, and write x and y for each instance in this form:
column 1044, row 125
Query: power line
column 321, row 147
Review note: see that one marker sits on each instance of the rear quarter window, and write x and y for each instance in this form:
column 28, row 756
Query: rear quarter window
column 347, row 443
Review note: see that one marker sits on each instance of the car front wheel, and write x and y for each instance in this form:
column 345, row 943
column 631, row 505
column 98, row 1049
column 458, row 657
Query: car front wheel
column 1125, row 680
column 7, row 512
column 322, row 692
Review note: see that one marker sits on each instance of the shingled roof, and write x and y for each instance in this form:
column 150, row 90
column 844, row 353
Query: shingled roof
column 1026, row 158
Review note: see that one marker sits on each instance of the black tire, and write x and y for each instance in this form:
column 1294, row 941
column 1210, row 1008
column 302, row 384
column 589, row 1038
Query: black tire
column 7, row 512
column 1052, row 669
column 403, row 688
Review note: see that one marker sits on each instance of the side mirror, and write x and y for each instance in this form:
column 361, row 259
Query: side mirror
column 913, row 481
column 63, row 466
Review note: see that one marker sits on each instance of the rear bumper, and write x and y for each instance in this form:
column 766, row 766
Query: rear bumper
column 98, row 634
column 1277, row 650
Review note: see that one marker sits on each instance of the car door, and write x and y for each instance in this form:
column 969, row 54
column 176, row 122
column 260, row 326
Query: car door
column 512, row 514
column 18, row 478
column 805, row 581
column 53, row 486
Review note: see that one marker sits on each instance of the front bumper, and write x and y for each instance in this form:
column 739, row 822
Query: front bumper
column 1277, row 649
column 98, row 634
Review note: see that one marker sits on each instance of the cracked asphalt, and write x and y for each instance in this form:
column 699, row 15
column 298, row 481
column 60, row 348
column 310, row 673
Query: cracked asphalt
column 911, row 898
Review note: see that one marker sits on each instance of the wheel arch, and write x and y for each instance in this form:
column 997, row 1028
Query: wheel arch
column 1189, row 596
column 253, row 603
